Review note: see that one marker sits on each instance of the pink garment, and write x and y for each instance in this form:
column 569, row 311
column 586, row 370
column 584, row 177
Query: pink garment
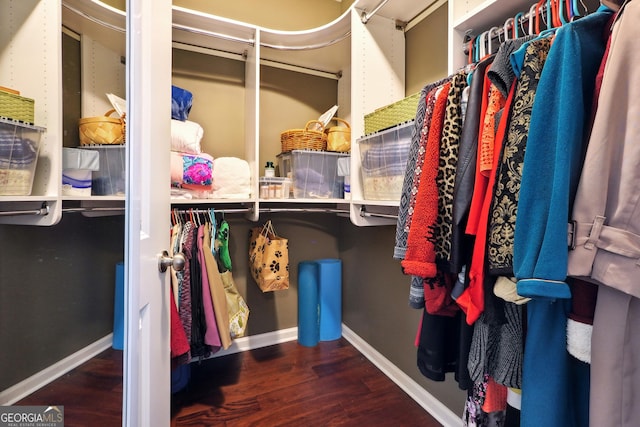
column 179, row 342
column 211, row 337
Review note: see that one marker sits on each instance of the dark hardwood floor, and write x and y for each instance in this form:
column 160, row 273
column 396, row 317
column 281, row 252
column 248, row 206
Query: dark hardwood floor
column 330, row 384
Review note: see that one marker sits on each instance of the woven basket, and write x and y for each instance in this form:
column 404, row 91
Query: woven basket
column 304, row 139
column 391, row 115
column 16, row 107
column 339, row 137
column 102, row 130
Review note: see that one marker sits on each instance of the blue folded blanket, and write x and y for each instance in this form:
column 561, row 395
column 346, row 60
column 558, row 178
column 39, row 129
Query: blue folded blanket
column 181, row 101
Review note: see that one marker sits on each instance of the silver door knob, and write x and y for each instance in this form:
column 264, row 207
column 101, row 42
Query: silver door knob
column 164, row 261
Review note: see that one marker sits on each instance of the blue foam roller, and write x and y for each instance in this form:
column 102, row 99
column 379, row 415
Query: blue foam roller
column 330, row 288
column 118, row 309
column 308, row 316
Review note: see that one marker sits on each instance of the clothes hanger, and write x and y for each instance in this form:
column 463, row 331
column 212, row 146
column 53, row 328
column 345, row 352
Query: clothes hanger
column 554, row 13
column 576, row 9
column 470, row 61
column 523, row 19
column 484, row 44
column 470, row 58
column 561, row 11
column 569, row 10
column 508, row 23
column 214, row 231
column 516, row 25
column 549, row 19
column 490, row 38
column 532, row 19
column 540, row 16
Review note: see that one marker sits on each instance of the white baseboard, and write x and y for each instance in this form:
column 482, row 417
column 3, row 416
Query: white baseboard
column 58, row 369
column 425, row 399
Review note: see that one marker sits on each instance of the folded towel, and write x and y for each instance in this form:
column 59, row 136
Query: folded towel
column 186, row 136
column 191, row 170
column 231, row 178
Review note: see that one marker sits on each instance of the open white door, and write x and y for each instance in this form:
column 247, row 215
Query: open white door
column 147, row 391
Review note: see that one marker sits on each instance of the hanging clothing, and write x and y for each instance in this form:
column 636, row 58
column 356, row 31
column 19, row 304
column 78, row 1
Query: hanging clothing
column 184, row 280
column 445, row 180
column 420, row 258
column 411, row 183
column 462, row 243
column 472, row 298
column 199, row 325
column 211, row 337
column 179, row 342
column 415, row 160
column 584, row 293
column 607, row 230
column 549, row 177
column 217, row 290
column 504, row 206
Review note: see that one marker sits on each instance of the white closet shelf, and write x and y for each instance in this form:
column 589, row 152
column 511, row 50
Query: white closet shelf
column 102, row 22
column 489, row 13
column 401, row 10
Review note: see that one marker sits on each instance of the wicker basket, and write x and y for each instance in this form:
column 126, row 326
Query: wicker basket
column 102, row 130
column 16, row 107
column 391, row 115
column 339, row 137
column 304, row 139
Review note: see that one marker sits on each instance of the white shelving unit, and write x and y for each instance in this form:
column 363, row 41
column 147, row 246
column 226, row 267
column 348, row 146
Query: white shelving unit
column 35, row 69
column 364, row 49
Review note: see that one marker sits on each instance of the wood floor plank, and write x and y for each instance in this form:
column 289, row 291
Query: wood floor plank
column 283, row 385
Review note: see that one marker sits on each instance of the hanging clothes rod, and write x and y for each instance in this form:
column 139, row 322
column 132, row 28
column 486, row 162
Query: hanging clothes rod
column 43, row 211
column 366, row 16
column 226, row 37
column 261, row 210
column 94, row 19
column 365, row 213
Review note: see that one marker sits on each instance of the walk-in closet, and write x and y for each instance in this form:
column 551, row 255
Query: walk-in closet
column 437, row 287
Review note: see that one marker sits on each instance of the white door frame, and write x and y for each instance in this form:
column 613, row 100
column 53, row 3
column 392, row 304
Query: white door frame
column 146, row 397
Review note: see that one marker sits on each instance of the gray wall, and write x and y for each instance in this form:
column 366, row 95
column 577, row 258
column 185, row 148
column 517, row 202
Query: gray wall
column 56, row 291
column 375, row 305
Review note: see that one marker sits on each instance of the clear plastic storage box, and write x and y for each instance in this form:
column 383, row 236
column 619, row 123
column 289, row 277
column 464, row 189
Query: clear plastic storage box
column 110, row 179
column 383, row 157
column 77, row 168
column 314, row 174
column 19, row 145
